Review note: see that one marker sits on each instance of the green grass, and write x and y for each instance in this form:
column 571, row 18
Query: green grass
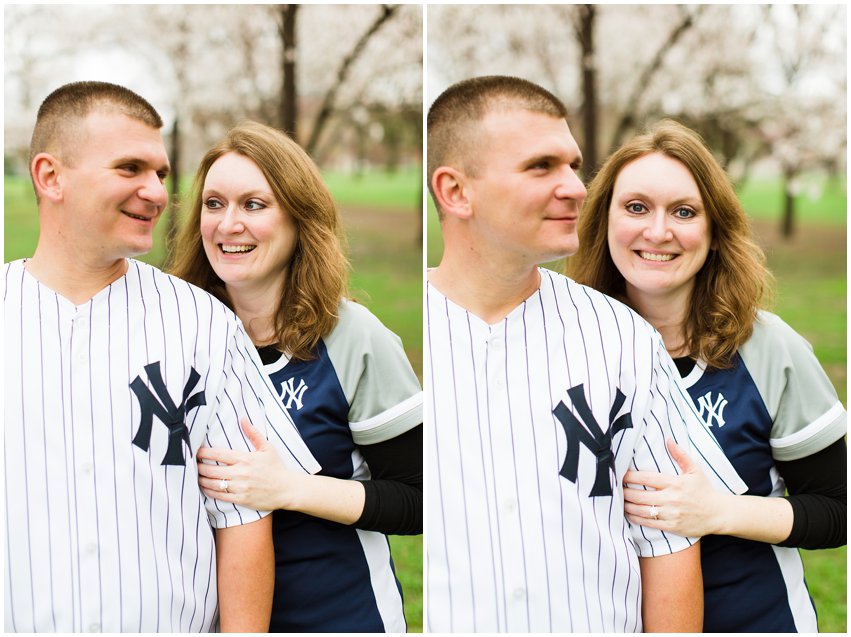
column 376, row 189
column 763, row 199
column 408, row 550
column 386, row 277
column 827, row 581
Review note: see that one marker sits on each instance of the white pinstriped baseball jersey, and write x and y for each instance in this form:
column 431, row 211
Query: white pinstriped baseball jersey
column 106, row 405
column 533, row 423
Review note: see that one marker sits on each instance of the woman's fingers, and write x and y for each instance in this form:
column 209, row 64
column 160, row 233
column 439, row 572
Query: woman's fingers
column 257, row 439
column 679, row 454
column 225, row 456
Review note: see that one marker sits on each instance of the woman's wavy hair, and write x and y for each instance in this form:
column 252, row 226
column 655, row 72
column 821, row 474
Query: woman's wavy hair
column 317, row 278
column 733, row 282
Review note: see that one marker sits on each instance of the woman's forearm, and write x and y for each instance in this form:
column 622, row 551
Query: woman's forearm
column 763, row 519
column 325, row 497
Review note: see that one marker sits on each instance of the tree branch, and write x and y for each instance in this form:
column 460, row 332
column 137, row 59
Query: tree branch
column 643, row 82
column 387, row 12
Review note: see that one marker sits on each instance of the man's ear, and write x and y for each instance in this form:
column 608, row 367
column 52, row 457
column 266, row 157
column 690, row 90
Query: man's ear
column 450, row 189
column 45, row 174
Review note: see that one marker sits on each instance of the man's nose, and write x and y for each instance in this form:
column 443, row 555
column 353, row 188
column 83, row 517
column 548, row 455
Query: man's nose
column 571, row 186
column 154, row 191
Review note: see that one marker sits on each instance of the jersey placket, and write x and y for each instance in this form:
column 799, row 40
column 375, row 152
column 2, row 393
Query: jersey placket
column 82, row 393
column 503, row 422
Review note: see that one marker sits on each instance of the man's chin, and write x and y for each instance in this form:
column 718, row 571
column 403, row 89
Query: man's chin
column 562, row 252
column 138, row 250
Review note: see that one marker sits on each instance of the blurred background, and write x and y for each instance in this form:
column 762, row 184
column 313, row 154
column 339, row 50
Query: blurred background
column 344, row 80
column 766, row 86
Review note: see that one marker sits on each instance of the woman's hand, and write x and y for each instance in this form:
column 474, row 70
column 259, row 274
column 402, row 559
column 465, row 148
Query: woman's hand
column 257, row 479
column 684, row 504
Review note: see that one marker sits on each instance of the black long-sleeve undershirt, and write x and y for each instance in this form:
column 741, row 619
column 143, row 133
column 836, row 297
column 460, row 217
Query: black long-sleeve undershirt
column 817, row 488
column 394, row 495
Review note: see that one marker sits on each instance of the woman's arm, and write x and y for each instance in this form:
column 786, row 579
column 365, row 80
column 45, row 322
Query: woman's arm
column 394, row 496
column 817, row 488
column 688, row 505
column 259, row 480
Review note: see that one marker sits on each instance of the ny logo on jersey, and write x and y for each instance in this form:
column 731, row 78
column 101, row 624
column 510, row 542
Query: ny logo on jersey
column 588, row 433
column 293, row 394
column 162, row 406
column 714, row 411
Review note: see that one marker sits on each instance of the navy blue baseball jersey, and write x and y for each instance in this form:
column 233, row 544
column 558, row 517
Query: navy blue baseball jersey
column 774, row 403
column 359, row 390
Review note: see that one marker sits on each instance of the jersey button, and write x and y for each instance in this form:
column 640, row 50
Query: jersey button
column 86, row 468
column 91, row 548
column 511, row 505
column 94, row 627
column 519, row 593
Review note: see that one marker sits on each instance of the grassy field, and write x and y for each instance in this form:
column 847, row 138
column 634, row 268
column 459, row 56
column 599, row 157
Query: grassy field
column 386, row 258
column 810, row 271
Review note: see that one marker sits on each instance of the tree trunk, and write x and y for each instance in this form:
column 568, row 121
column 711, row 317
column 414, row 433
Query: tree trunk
column 174, row 196
column 587, row 13
column 289, row 112
column 787, row 228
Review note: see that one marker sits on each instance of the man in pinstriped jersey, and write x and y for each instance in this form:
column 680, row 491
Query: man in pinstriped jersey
column 541, row 394
column 116, row 374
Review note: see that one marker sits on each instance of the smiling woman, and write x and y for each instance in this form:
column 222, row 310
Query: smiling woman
column 248, row 237
column 659, row 237
column 663, row 231
column 264, row 235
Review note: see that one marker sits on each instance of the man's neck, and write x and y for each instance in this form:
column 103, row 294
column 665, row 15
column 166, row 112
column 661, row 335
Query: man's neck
column 490, row 291
column 75, row 279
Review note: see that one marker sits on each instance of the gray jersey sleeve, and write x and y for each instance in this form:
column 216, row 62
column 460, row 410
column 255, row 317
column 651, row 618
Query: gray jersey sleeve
column 807, row 416
column 384, row 395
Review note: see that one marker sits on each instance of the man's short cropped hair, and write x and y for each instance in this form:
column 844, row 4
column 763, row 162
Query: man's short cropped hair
column 454, row 116
column 59, row 117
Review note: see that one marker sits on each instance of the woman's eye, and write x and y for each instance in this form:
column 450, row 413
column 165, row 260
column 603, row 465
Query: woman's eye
column 684, row 213
column 212, row 204
column 635, row 207
column 254, row 205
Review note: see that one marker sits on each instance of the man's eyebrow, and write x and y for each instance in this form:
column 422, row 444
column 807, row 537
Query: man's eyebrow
column 553, row 158
column 164, row 168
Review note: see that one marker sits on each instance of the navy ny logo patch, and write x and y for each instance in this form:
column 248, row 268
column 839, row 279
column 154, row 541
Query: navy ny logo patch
column 161, row 405
column 588, row 433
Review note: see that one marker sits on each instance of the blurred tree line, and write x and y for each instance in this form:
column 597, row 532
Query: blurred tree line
column 757, row 81
column 345, row 81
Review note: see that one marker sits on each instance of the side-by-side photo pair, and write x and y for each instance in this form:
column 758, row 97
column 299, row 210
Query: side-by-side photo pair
column 425, row 318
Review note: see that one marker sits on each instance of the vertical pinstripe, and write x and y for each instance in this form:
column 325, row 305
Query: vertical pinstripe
column 512, row 545
column 101, row 535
